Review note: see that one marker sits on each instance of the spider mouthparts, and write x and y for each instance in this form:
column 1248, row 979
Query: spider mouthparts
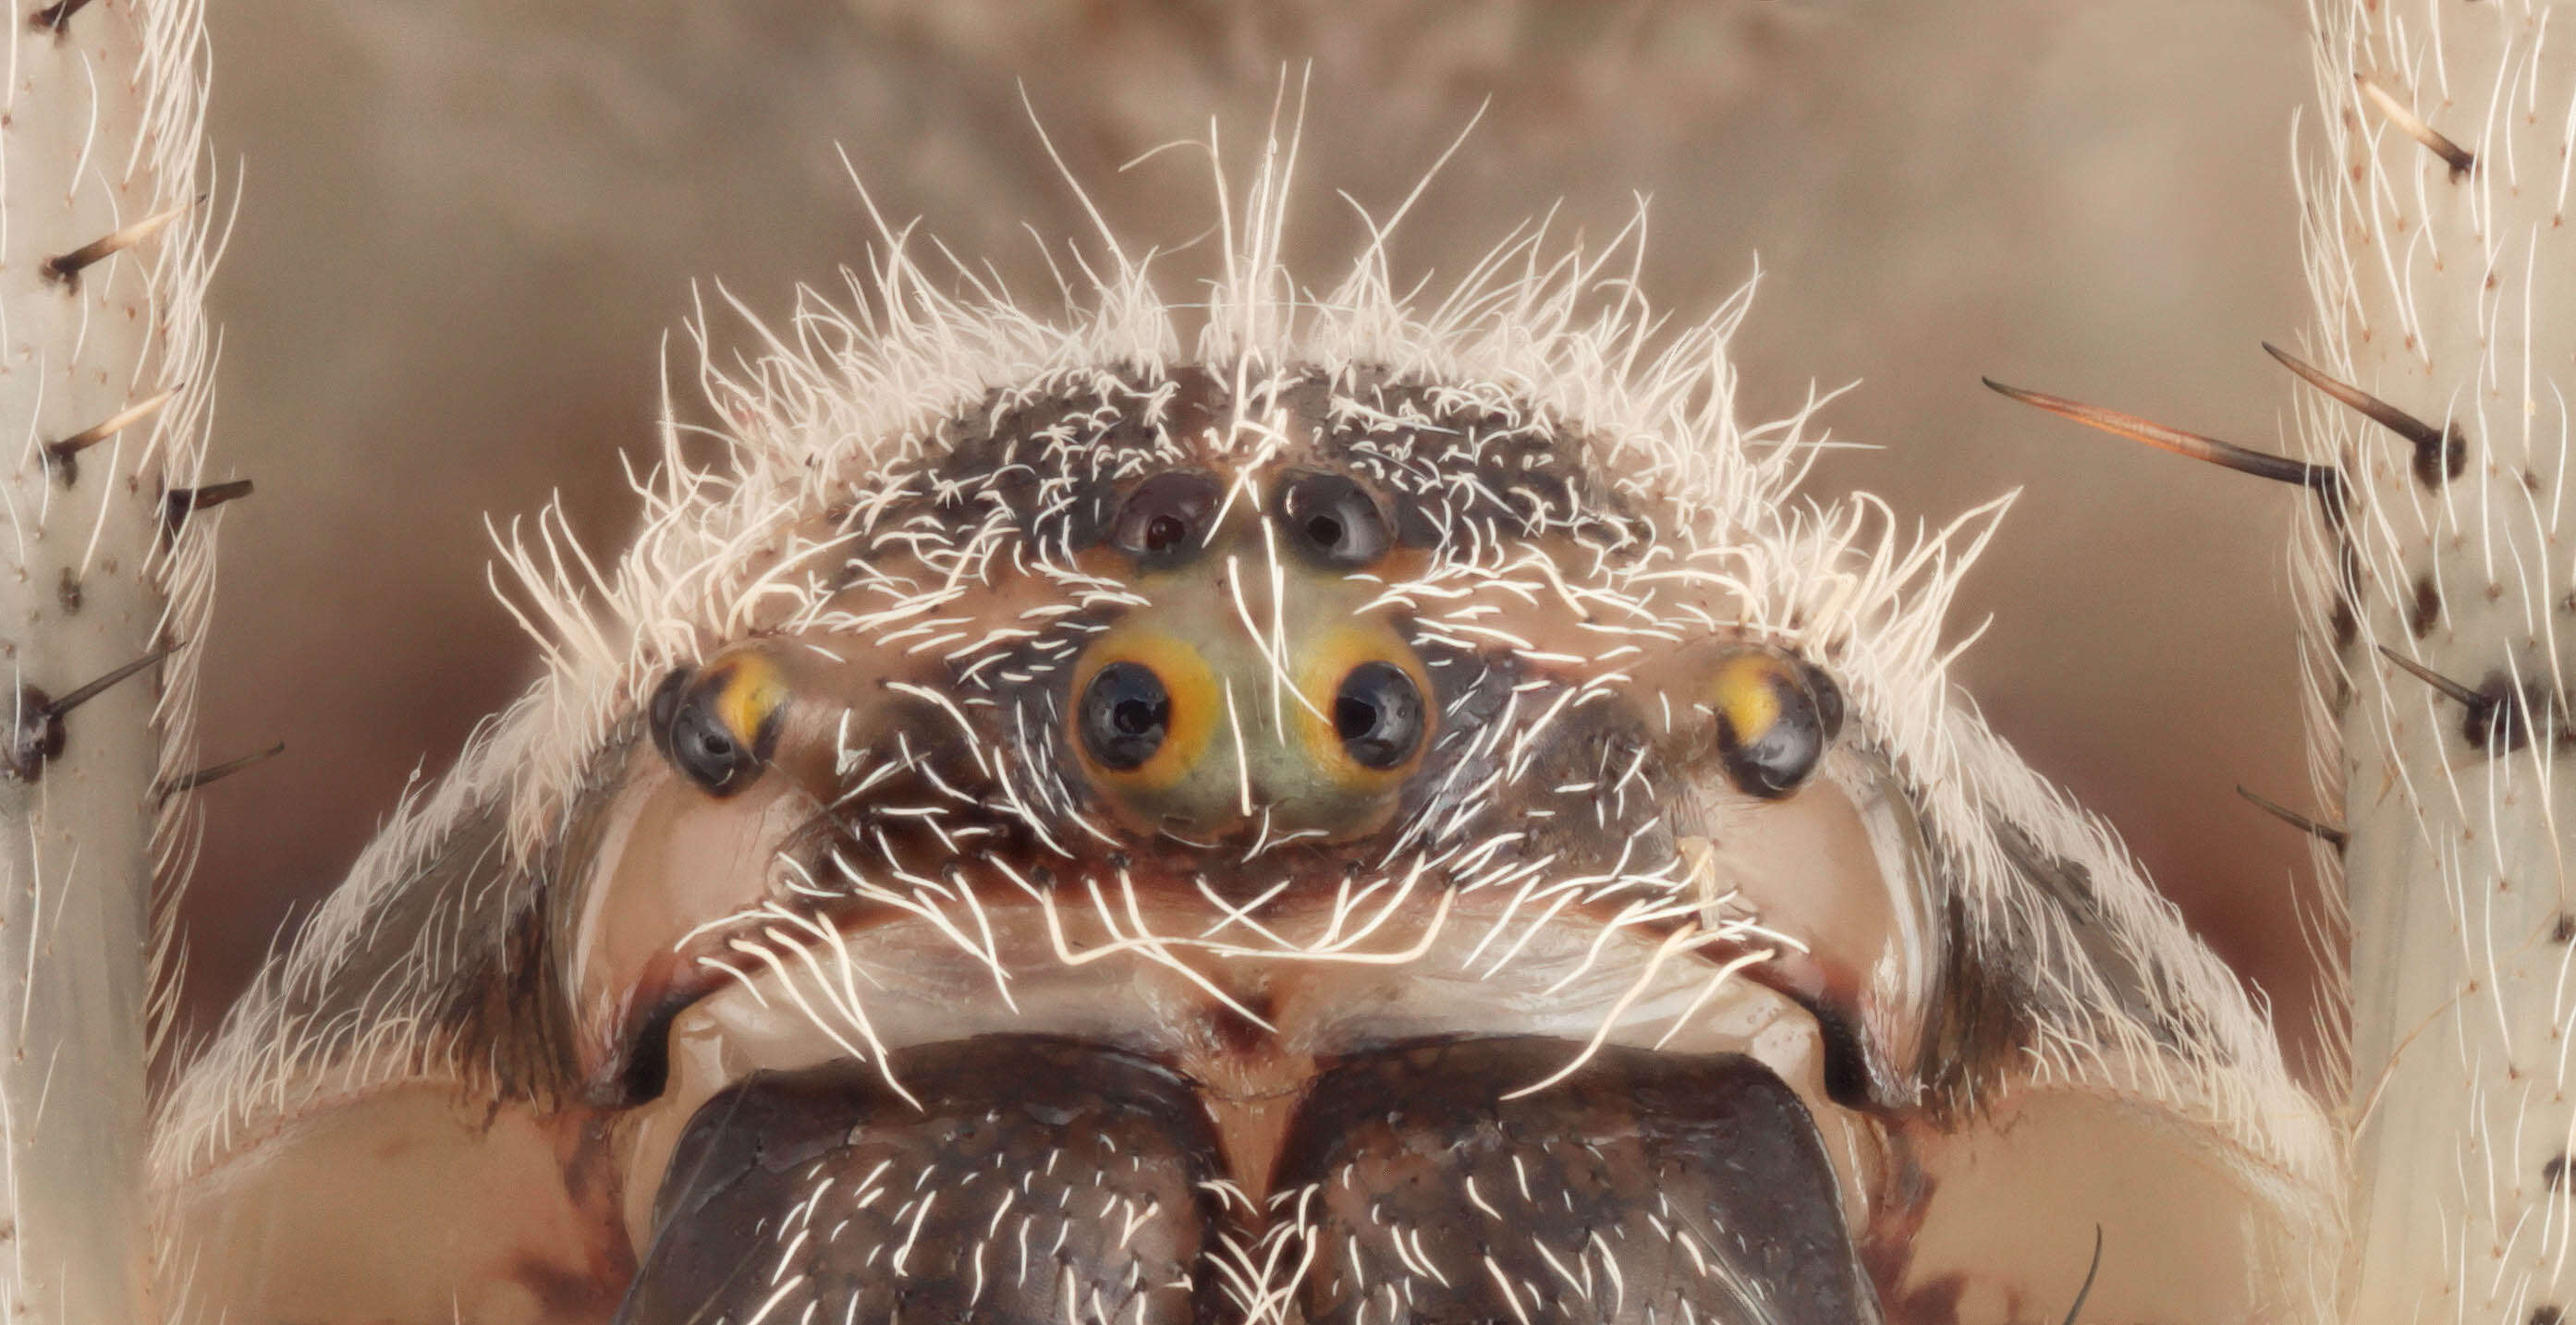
column 1043, row 1179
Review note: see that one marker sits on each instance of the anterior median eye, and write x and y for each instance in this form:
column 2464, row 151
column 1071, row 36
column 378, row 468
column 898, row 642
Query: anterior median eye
column 1378, row 714
column 719, row 725
column 1125, row 714
column 1775, row 716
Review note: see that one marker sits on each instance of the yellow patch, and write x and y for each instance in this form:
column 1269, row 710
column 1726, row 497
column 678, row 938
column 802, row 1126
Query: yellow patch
column 1327, row 659
column 1195, row 696
column 1747, row 691
column 750, row 690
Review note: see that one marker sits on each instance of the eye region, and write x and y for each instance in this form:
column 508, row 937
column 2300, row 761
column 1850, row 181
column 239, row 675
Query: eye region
column 1248, row 686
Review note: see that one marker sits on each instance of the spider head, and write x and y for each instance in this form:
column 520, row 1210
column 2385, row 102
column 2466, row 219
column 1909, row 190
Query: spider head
column 1438, row 833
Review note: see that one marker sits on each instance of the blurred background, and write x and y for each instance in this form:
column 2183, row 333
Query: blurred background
column 466, row 228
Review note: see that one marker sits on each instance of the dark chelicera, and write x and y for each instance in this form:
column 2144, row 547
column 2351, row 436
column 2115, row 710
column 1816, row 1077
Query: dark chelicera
column 1041, row 1179
column 824, row 1186
column 1700, row 1176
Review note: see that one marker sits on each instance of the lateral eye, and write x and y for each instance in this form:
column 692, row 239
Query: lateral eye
column 1378, row 713
column 1332, row 521
column 1775, row 717
column 1165, row 519
column 719, row 725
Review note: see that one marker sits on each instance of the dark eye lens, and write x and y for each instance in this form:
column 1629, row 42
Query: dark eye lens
column 1333, row 521
column 704, row 748
column 698, row 743
column 1123, row 715
column 1165, row 518
column 1378, row 714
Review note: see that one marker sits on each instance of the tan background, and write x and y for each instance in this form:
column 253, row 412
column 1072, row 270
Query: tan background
column 465, row 226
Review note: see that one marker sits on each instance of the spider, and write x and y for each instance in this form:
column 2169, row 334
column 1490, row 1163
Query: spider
column 1393, row 791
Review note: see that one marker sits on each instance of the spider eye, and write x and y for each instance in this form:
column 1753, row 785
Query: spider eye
column 1143, row 707
column 719, row 725
column 1125, row 714
column 1378, row 713
column 1333, row 521
column 1775, row 716
column 1367, row 716
column 1166, row 518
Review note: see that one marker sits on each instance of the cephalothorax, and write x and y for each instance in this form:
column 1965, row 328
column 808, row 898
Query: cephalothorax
column 1394, row 813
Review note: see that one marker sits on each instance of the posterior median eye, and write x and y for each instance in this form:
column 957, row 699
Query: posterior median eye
column 1333, row 521
column 1166, row 518
column 719, row 725
column 1125, row 715
column 1378, row 713
column 1775, row 716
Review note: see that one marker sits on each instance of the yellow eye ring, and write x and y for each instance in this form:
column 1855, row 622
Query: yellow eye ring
column 1367, row 715
column 1747, row 689
column 1125, row 672
column 750, row 693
